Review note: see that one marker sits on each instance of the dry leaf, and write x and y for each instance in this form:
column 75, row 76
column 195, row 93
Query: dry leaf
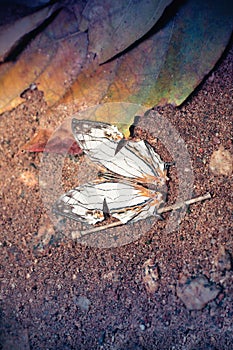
column 11, row 35
column 162, row 67
column 111, row 28
column 61, row 143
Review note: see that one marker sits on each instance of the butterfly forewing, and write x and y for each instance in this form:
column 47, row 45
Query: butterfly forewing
column 100, row 142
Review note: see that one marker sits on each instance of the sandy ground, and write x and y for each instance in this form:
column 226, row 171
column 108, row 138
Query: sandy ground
column 57, row 293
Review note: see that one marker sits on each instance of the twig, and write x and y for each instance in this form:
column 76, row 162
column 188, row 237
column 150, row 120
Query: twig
column 101, row 228
column 159, row 211
column 182, row 204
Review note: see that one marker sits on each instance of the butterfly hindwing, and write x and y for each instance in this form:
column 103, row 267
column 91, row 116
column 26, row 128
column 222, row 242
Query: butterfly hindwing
column 124, row 202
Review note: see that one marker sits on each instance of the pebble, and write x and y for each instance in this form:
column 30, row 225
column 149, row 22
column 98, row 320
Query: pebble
column 83, row 303
column 196, row 292
column 223, row 260
column 142, row 327
column 221, row 162
column 150, row 276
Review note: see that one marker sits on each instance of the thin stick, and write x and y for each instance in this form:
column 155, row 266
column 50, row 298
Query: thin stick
column 101, row 228
column 159, row 211
column 182, row 204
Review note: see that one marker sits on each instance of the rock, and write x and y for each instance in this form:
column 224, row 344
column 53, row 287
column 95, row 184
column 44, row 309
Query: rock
column 150, row 276
column 223, row 260
column 196, row 292
column 83, row 303
column 221, row 162
column 44, row 235
column 28, row 179
column 142, row 327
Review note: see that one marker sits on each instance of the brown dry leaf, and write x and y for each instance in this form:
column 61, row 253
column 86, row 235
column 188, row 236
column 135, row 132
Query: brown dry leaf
column 38, row 142
column 196, row 292
column 53, row 60
column 60, row 143
column 221, row 162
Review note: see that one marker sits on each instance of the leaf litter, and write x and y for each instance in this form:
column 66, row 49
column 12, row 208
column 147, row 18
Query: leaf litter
column 39, row 287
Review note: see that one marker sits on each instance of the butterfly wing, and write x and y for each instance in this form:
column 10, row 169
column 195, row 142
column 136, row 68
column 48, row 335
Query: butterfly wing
column 100, row 141
column 132, row 184
column 124, row 202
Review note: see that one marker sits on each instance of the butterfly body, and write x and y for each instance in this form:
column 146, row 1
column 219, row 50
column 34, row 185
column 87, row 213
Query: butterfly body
column 131, row 183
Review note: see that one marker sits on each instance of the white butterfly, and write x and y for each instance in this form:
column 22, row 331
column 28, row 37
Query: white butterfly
column 131, row 185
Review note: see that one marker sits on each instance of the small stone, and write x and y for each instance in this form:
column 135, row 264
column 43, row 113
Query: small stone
column 28, row 178
column 196, row 292
column 223, row 260
column 221, row 162
column 83, row 303
column 46, row 230
column 142, row 327
column 150, row 276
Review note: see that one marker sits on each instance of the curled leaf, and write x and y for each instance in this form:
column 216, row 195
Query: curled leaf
column 11, row 35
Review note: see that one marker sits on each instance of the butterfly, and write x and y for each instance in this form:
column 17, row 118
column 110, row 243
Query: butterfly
column 131, row 182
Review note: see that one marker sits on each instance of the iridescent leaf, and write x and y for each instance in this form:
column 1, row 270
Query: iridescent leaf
column 167, row 66
column 162, row 67
column 201, row 32
column 115, row 25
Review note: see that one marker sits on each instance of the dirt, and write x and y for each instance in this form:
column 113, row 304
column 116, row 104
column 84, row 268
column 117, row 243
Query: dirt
column 58, row 293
